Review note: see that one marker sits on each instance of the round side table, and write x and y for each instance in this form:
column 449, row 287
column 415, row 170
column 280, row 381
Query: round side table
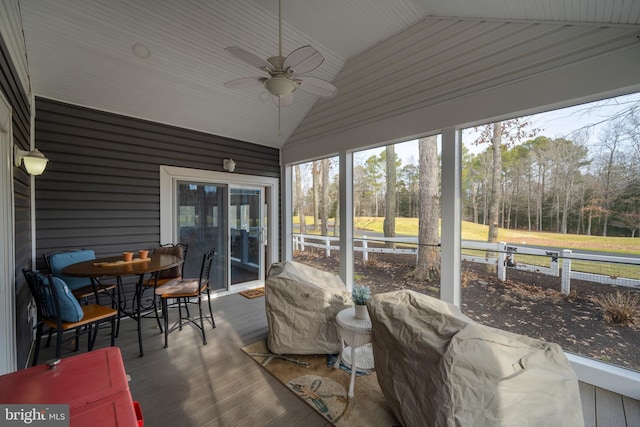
column 355, row 338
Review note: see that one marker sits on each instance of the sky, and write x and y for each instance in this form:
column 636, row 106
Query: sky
column 559, row 123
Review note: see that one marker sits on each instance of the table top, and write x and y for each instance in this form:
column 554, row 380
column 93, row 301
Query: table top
column 347, row 320
column 92, row 268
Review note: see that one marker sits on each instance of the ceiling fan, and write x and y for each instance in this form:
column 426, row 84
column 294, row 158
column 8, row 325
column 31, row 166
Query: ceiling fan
column 285, row 74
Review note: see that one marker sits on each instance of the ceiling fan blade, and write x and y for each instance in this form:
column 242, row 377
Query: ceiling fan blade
column 316, row 86
column 283, row 101
column 303, row 60
column 245, row 82
column 249, row 58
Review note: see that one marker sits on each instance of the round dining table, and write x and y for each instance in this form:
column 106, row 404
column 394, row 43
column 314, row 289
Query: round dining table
column 117, row 267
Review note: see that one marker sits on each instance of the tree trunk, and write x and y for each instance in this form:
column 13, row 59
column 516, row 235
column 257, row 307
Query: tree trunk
column 565, row 210
column 324, row 205
column 300, row 199
column 428, row 264
column 474, row 204
column 496, row 186
column 501, row 212
column 529, row 200
column 389, row 224
column 581, row 211
column 315, row 174
column 336, row 221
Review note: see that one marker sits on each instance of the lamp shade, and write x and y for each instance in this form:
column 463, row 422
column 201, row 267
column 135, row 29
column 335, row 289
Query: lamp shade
column 229, row 165
column 34, row 161
column 280, row 86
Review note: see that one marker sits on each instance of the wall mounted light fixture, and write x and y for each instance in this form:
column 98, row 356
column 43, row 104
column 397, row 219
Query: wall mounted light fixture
column 34, row 161
column 229, row 165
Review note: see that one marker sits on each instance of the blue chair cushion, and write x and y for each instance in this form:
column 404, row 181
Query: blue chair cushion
column 70, row 309
column 60, row 260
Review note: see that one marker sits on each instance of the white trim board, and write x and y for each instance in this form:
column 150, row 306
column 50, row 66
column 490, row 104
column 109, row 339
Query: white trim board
column 609, row 377
column 170, row 174
column 8, row 358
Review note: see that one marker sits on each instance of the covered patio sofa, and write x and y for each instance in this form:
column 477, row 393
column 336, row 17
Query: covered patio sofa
column 437, row 367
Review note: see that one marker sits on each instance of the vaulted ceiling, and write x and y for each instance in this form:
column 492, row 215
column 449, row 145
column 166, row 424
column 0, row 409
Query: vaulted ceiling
column 164, row 60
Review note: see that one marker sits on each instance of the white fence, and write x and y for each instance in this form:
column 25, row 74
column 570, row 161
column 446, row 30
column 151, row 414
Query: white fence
column 559, row 260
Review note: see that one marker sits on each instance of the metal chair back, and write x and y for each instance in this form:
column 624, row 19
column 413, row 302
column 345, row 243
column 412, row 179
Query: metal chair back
column 179, row 250
column 45, row 296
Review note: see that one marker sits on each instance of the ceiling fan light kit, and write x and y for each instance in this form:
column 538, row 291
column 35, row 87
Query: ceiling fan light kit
column 280, row 86
column 285, row 74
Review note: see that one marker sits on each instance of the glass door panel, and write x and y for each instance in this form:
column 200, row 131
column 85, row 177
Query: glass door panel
column 202, row 224
column 246, row 230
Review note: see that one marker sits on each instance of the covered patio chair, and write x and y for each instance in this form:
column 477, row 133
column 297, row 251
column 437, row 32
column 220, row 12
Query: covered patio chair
column 302, row 303
column 437, row 367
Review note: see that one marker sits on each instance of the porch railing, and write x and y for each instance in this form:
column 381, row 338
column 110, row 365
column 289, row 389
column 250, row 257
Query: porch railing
column 506, row 256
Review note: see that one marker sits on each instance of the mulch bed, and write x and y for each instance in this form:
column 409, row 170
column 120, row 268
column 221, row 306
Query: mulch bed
column 526, row 303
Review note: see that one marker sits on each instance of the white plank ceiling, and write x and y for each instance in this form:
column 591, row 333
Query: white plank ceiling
column 82, row 52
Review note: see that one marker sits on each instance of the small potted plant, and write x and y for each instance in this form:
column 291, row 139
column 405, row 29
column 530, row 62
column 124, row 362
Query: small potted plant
column 360, row 294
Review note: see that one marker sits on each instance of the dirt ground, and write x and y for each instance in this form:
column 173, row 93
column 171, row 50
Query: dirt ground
column 526, row 303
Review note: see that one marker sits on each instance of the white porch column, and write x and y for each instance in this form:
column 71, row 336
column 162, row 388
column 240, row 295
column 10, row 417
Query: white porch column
column 287, row 213
column 346, row 219
column 451, row 216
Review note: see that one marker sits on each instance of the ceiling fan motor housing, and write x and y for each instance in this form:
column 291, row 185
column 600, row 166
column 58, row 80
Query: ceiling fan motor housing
column 279, row 84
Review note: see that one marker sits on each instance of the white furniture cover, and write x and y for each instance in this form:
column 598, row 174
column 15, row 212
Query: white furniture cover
column 437, row 367
column 302, row 303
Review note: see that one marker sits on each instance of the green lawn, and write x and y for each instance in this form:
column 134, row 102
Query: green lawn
column 471, row 231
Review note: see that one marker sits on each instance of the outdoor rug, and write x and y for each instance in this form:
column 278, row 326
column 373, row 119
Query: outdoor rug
column 253, row 293
column 325, row 389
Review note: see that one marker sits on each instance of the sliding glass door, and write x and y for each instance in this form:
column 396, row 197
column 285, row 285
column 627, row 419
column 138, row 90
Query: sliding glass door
column 228, row 218
column 235, row 214
column 246, row 231
column 202, row 224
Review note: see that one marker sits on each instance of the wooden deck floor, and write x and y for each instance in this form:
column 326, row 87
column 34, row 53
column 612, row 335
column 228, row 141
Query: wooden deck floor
column 189, row 384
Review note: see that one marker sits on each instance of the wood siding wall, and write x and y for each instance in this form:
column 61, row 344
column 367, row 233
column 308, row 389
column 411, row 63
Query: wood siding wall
column 101, row 189
column 21, row 122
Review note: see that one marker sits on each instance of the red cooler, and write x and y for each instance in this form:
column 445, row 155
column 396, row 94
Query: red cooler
column 93, row 384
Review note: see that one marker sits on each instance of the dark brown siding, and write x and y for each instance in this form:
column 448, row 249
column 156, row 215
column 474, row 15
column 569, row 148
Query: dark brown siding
column 19, row 101
column 101, row 189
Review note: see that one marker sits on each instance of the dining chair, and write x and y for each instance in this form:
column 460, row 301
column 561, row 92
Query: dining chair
column 184, row 291
column 58, row 309
column 161, row 277
column 81, row 287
